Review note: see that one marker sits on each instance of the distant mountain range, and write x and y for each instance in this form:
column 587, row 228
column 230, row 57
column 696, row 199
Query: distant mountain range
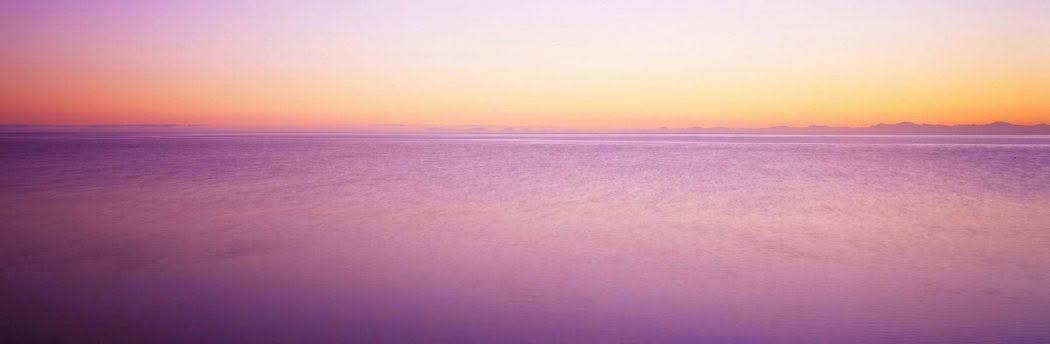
column 902, row 128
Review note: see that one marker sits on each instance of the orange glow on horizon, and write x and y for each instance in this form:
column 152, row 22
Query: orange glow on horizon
column 547, row 65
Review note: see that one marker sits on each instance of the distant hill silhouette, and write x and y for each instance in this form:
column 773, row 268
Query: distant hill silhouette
column 902, row 128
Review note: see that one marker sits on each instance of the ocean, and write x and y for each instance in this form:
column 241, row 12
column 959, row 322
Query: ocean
column 545, row 238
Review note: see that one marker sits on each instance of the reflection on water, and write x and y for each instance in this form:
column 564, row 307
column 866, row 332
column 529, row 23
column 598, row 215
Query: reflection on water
column 525, row 238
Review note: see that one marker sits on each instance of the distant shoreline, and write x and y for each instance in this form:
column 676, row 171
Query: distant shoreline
column 902, row 128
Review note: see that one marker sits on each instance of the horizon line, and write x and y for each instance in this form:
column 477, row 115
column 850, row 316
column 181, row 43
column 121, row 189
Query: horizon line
column 501, row 126
column 899, row 128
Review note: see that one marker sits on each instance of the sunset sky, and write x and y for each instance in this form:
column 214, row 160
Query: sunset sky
column 577, row 64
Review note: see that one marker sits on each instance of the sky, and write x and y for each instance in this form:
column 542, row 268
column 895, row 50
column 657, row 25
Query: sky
column 571, row 64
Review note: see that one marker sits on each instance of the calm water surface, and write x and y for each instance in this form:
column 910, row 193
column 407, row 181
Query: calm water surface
column 524, row 238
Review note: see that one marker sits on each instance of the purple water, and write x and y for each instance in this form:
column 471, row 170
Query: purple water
column 524, row 238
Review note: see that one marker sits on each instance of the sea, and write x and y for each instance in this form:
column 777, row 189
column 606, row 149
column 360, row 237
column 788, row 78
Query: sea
column 523, row 238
